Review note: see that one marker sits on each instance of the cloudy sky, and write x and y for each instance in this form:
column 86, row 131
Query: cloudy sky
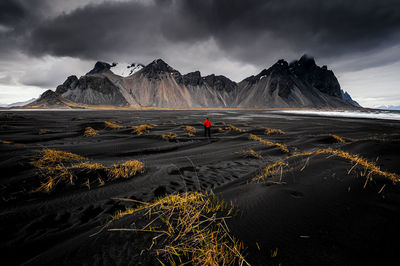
column 44, row 41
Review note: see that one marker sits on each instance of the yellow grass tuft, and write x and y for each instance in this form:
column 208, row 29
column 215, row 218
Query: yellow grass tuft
column 271, row 131
column 189, row 228
column 270, row 170
column 140, row 130
column 250, row 153
column 87, row 165
column 78, row 118
column 337, row 138
column 53, row 158
column 58, row 167
column 358, row 160
column 282, row 147
column 112, row 125
column 169, row 136
column 126, row 169
column 369, row 166
column 232, row 127
column 54, row 166
column 90, row 132
column 190, row 129
column 43, row 131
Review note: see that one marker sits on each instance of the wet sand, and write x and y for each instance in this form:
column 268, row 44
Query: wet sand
column 314, row 213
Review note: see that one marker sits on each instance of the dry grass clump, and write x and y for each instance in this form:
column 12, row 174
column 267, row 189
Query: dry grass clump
column 189, row 228
column 190, row 131
column 78, row 118
column 87, row 165
column 358, row 160
column 370, row 167
column 112, row 125
column 43, row 131
column 282, row 147
column 337, row 138
column 271, row 131
column 60, row 167
column 6, row 142
column 270, row 170
column 126, row 169
column 169, row 136
column 55, row 167
column 140, row 130
column 250, row 153
column 53, row 158
column 90, row 132
column 232, row 127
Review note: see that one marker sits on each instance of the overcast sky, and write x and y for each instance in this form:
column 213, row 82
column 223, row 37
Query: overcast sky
column 44, row 41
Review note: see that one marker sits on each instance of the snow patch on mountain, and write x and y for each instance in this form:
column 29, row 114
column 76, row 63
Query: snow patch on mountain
column 125, row 70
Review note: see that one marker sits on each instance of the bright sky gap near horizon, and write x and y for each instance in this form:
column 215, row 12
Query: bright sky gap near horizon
column 44, row 41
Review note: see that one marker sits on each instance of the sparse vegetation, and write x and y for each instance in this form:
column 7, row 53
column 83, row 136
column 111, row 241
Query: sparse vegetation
column 78, row 118
column 232, row 127
column 370, row 167
column 60, row 167
column 282, row 147
column 126, row 169
column 87, row 165
column 190, row 131
column 90, row 132
column 189, row 228
column 337, row 138
column 270, row 170
column 112, row 125
column 250, row 153
column 271, row 131
column 43, row 131
column 169, row 136
column 140, row 130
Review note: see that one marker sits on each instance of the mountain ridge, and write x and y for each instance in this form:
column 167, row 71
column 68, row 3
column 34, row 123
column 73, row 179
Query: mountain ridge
column 302, row 83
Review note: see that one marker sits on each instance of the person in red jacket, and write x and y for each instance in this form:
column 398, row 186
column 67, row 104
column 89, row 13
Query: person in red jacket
column 207, row 128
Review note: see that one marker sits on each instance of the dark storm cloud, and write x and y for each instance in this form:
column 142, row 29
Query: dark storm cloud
column 250, row 31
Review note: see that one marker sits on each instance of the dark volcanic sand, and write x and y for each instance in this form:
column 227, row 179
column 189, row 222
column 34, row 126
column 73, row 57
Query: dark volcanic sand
column 322, row 215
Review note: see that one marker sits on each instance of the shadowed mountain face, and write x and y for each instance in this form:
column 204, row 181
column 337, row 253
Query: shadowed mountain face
column 50, row 99
column 299, row 84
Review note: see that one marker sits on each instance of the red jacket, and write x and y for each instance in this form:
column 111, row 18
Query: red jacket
column 207, row 123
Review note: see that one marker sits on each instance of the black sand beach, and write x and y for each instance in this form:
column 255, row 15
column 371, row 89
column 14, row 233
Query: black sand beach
column 317, row 210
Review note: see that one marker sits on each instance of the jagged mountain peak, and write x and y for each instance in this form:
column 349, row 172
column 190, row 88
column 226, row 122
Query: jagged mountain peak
column 157, row 67
column 100, row 67
column 220, row 83
column 193, row 78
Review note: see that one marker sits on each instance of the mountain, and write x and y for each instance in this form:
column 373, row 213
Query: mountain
column 51, row 99
column 347, row 98
column 18, row 103
column 389, row 107
column 299, row 84
column 302, row 83
column 126, row 70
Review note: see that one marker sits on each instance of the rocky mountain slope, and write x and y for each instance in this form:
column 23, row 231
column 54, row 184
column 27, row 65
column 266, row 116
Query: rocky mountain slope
column 301, row 83
column 51, row 99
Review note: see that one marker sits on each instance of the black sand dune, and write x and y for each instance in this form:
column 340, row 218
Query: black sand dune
column 316, row 212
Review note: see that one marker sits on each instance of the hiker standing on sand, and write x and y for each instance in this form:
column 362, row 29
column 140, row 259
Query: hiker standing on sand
column 207, row 128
